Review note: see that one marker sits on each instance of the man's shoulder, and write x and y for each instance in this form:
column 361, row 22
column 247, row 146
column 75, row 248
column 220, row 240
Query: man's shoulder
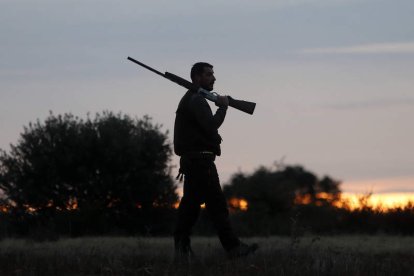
column 189, row 95
column 187, row 100
column 196, row 99
column 193, row 102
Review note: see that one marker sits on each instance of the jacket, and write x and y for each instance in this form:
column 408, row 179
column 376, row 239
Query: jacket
column 195, row 127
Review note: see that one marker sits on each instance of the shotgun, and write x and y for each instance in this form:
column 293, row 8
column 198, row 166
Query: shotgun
column 244, row 106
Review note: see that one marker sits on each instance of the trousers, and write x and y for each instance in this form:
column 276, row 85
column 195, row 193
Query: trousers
column 202, row 185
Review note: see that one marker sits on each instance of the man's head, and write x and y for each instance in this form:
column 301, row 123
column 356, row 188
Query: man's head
column 202, row 75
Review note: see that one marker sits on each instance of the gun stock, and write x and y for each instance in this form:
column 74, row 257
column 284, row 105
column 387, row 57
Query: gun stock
column 244, row 106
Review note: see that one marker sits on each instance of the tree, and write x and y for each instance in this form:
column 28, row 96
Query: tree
column 275, row 191
column 287, row 200
column 109, row 163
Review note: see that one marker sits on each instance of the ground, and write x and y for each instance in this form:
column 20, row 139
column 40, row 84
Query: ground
column 307, row 255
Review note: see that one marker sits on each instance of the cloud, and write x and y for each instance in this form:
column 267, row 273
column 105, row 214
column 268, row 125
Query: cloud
column 375, row 48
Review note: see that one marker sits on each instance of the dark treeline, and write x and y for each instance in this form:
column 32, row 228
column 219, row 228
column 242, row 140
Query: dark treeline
column 294, row 201
column 110, row 175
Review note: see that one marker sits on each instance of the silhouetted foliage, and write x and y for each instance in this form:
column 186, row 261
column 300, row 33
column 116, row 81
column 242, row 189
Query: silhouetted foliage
column 278, row 198
column 109, row 166
column 275, row 191
column 293, row 201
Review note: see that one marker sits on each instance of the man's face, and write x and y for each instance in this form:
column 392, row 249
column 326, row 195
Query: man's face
column 206, row 79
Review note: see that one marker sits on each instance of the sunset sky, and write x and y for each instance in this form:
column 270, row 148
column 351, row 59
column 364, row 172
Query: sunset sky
column 333, row 79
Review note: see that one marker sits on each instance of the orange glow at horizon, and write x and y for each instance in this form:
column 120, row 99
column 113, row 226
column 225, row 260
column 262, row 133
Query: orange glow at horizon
column 307, row 198
column 4, row 209
column 384, row 201
column 381, row 197
column 72, row 204
column 238, row 203
column 352, row 201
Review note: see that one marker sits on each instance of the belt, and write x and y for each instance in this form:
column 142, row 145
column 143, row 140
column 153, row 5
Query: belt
column 200, row 154
column 195, row 155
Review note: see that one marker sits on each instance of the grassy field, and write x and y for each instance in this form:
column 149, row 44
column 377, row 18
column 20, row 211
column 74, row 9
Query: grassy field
column 313, row 255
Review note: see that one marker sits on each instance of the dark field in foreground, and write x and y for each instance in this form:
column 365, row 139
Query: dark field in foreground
column 336, row 255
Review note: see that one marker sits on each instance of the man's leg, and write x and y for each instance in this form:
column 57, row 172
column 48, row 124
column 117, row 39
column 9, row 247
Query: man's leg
column 189, row 207
column 216, row 206
column 188, row 212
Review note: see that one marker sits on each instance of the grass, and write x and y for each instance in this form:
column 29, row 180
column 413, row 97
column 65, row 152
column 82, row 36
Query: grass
column 313, row 255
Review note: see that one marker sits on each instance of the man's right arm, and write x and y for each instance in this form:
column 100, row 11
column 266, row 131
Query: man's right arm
column 203, row 114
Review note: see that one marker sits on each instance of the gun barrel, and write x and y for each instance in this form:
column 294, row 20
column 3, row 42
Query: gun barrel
column 179, row 80
column 146, row 66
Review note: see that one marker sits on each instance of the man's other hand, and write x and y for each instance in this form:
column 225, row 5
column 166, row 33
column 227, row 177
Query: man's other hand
column 222, row 101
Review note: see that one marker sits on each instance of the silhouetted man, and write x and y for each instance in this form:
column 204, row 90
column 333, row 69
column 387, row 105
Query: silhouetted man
column 197, row 141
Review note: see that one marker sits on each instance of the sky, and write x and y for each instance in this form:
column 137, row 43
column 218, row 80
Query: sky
column 332, row 79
